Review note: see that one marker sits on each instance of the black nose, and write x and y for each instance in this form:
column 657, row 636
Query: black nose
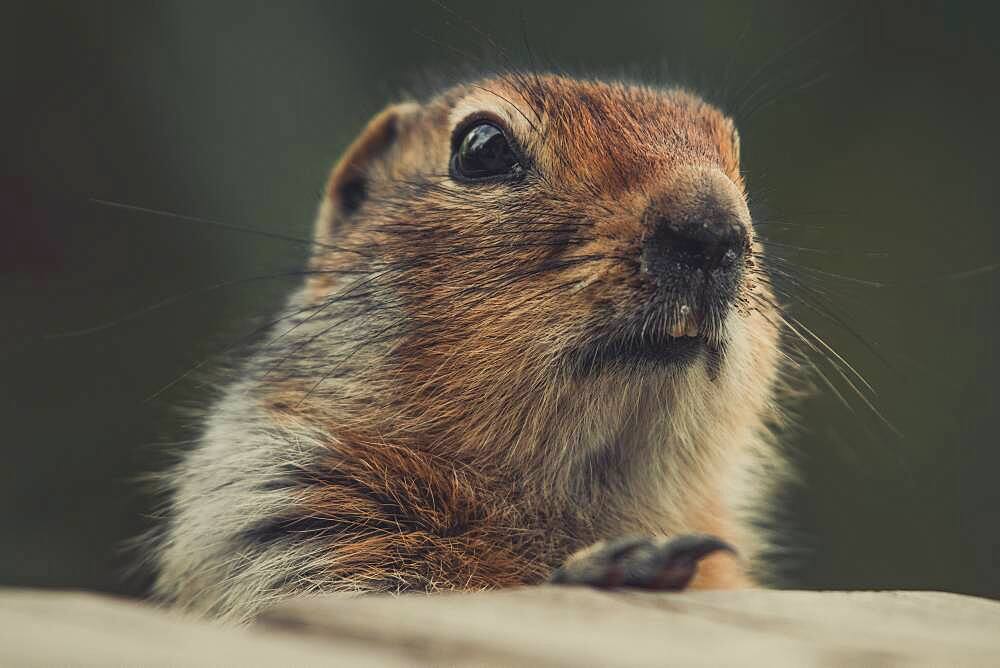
column 691, row 243
column 708, row 242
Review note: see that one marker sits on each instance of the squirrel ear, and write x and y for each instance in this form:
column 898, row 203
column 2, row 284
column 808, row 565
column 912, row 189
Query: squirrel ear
column 348, row 185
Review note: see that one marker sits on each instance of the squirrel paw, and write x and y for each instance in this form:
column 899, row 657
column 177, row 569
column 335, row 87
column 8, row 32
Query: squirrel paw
column 662, row 564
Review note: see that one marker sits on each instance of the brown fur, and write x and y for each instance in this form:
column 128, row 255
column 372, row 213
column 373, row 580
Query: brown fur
column 458, row 449
column 628, row 145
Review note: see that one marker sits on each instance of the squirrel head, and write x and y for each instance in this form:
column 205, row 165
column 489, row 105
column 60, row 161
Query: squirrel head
column 527, row 243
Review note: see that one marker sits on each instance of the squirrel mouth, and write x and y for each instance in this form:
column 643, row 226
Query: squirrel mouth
column 673, row 351
column 674, row 347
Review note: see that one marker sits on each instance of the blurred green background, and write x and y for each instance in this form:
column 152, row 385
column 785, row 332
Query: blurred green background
column 869, row 136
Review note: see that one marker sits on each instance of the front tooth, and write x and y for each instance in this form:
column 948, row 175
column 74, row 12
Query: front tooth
column 692, row 328
column 678, row 329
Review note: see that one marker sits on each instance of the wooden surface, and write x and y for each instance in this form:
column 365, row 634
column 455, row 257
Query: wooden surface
column 539, row 626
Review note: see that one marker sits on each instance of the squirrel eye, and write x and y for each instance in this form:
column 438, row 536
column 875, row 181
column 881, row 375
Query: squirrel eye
column 484, row 152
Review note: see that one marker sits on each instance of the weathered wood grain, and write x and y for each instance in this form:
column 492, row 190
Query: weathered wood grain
column 539, row 626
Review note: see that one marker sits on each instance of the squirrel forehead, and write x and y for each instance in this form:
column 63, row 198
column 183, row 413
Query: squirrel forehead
column 606, row 129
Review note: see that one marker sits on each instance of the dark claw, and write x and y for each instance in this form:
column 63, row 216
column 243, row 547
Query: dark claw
column 641, row 563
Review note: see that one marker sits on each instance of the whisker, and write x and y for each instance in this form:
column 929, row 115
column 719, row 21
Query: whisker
column 239, row 342
column 827, row 274
column 146, row 310
column 861, row 395
column 218, row 223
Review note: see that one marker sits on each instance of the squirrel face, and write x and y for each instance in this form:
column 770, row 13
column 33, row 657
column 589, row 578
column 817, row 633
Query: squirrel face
column 534, row 234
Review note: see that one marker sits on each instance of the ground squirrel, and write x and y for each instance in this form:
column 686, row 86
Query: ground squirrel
column 536, row 320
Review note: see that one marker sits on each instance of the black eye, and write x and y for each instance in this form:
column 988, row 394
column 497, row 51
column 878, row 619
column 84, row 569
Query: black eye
column 484, row 152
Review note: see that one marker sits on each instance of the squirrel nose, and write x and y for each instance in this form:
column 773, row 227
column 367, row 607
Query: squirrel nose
column 696, row 231
column 707, row 242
